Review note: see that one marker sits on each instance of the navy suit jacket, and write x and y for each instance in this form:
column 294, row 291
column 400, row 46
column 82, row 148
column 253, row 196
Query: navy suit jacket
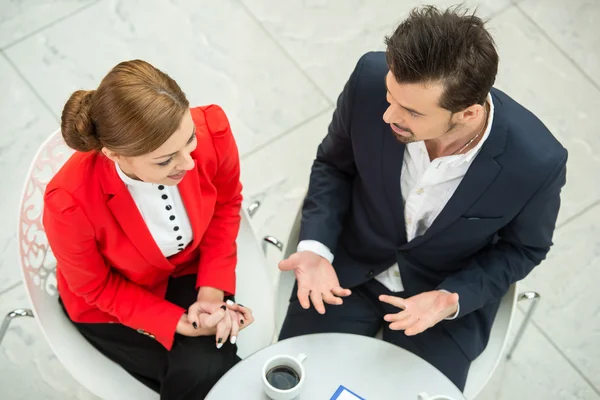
column 494, row 230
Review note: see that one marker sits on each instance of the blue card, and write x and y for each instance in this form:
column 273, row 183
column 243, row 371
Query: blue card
column 343, row 393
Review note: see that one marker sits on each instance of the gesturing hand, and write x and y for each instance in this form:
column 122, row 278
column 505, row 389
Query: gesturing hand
column 317, row 280
column 420, row 312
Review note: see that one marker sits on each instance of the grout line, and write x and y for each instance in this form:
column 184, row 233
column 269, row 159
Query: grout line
column 553, row 43
column 8, row 289
column 501, row 11
column 285, row 52
column 285, row 133
column 567, row 359
column 60, row 19
column 578, row 214
column 30, row 86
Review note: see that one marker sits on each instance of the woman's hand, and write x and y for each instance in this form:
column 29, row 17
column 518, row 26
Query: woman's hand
column 241, row 318
column 210, row 305
column 207, row 316
column 209, row 321
column 238, row 317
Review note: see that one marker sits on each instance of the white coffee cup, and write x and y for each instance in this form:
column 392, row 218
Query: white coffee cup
column 294, row 363
column 425, row 396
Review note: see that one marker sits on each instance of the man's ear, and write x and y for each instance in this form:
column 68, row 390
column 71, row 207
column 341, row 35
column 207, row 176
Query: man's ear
column 471, row 113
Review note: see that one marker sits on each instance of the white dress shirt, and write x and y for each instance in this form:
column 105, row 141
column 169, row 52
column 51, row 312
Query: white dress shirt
column 427, row 186
column 163, row 212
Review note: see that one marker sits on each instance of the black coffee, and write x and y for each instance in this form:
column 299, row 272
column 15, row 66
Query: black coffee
column 283, row 377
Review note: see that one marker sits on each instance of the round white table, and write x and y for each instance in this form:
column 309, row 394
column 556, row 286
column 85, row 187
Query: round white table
column 371, row 368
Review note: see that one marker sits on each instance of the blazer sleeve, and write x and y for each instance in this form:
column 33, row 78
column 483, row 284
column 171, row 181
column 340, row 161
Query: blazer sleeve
column 330, row 188
column 522, row 245
column 218, row 251
column 73, row 242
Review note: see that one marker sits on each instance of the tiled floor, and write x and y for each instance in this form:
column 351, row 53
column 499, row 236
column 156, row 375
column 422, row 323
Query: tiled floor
column 276, row 67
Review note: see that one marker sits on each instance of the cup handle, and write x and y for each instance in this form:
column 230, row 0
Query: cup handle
column 423, row 396
column 301, row 357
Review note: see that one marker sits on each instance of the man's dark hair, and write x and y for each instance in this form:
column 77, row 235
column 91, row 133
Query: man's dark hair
column 450, row 46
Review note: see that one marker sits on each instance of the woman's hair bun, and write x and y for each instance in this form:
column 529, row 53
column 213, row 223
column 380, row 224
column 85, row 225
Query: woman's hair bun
column 77, row 126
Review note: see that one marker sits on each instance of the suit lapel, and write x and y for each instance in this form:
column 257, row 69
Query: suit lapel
column 127, row 214
column 189, row 188
column 391, row 165
column 478, row 178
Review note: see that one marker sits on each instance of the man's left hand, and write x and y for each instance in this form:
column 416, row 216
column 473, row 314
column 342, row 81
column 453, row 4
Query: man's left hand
column 420, row 312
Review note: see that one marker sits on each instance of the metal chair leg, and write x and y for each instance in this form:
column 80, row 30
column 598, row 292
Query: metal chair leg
column 273, row 241
column 253, row 208
column 20, row 312
column 535, row 299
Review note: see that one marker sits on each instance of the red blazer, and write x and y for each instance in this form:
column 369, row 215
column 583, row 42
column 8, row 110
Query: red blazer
column 109, row 267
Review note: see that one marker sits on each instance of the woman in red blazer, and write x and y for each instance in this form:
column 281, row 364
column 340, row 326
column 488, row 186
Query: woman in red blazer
column 142, row 220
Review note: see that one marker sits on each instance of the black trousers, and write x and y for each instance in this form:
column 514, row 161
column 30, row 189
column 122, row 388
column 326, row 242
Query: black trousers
column 362, row 314
column 188, row 371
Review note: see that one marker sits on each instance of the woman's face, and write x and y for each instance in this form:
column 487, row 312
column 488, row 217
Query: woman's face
column 166, row 165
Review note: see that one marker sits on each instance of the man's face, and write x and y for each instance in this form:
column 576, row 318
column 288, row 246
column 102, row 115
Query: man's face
column 414, row 113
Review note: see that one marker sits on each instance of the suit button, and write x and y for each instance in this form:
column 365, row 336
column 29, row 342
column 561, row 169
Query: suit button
column 370, row 274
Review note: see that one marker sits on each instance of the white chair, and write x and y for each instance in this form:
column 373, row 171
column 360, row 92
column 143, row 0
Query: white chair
column 482, row 368
column 89, row 367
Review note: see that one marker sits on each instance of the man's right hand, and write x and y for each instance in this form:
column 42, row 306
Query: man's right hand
column 317, row 280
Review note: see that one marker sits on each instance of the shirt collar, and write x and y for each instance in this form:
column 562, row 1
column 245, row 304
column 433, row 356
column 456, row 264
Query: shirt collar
column 132, row 182
column 470, row 155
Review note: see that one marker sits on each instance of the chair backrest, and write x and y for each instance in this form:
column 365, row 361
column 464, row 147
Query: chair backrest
column 483, row 367
column 286, row 279
column 292, row 242
column 38, row 266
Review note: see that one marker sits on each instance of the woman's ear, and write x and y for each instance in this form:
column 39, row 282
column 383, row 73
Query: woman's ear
column 111, row 155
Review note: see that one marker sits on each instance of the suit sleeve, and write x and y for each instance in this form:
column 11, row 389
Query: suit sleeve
column 522, row 245
column 330, row 188
column 74, row 245
column 218, row 251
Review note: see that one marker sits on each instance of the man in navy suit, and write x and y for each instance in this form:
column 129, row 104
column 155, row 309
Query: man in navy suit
column 431, row 194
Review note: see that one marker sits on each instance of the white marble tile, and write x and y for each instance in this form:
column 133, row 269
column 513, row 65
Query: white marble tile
column 28, row 368
column 278, row 176
column 573, row 26
column 215, row 51
column 26, row 123
column 23, row 17
column 568, row 282
column 327, row 37
column 537, row 75
column 536, row 371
